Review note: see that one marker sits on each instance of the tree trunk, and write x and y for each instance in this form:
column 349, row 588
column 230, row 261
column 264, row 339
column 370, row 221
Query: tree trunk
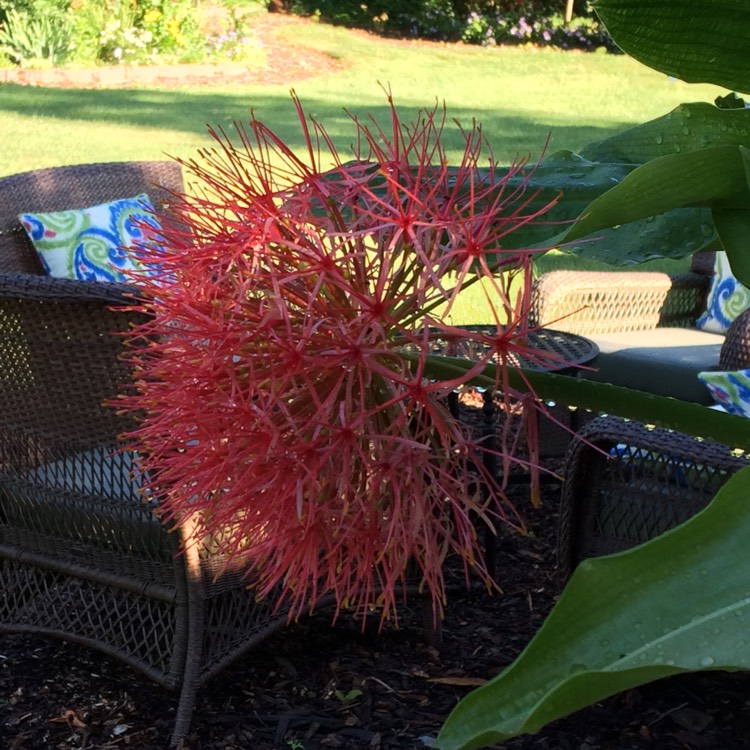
column 278, row 6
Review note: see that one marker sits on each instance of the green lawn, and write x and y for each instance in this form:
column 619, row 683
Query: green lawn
column 521, row 97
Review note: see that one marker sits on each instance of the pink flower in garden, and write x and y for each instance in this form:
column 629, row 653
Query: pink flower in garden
column 288, row 394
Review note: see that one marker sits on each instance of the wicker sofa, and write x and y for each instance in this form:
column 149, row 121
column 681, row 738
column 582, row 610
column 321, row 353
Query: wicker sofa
column 82, row 557
column 644, row 326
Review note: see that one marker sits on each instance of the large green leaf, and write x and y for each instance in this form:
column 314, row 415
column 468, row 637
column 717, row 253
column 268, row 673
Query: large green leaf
column 734, row 230
column 688, row 127
column 678, row 603
column 733, row 226
column 712, row 177
column 616, row 210
column 661, row 209
column 677, row 232
column 674, row 234
column 577, row 182
column 695, row 40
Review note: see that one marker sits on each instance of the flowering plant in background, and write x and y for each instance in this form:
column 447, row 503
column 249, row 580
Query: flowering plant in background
column 493, row 27
column 142, row 32
column 289, row 393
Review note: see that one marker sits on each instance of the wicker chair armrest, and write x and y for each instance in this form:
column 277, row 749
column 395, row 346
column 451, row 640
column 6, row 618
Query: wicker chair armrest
column 23, row 286
column 735, row 352
column 590, row 302
column 625, row 483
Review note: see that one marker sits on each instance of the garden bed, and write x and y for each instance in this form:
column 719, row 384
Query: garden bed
column 316, row 686
column 284, row 63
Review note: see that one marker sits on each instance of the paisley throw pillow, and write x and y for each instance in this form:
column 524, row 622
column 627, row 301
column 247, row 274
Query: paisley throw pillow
column 100, row 243
column 730, row 390
column 727, row 298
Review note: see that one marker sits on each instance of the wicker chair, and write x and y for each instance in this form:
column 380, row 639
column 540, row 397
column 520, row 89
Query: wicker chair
column 81, row 556
column 625, row 484
column 644, row 326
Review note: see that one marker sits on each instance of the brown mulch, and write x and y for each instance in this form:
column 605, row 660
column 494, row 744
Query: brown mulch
column 285, row 63
column 316, row 685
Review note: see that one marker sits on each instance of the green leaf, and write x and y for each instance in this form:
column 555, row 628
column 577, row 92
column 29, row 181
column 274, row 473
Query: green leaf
column 733, row 227
column 578, row 182
column 673, row 234
column 669, row 182
column 734, row 230
column 694, row 40
column 688, row 127
column 688, row 138
column 693, row 419
column 678, row 603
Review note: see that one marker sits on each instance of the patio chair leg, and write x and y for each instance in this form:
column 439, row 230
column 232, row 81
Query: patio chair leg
column 432, row 626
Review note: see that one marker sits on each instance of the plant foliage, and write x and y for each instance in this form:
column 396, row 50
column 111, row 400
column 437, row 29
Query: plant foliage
column 485, row 22
column 122, row 31
column 35, row 39
column 602, row 638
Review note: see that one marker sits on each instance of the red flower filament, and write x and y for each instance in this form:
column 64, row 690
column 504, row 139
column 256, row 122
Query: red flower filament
column 275, row 397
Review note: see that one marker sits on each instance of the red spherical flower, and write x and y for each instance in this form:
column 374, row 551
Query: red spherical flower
column 286, row 393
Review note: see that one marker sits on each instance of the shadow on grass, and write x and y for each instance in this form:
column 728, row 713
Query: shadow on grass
column 192, row 111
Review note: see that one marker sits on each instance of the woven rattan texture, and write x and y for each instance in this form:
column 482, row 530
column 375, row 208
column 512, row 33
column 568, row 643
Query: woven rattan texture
column 82, row 555
column 626, row 483
column 735, row 352
column 491, row 424
column 591, row 302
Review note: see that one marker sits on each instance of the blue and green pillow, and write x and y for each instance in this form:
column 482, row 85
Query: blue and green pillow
column 99, row 243
column 727, row 298
column 729, row 389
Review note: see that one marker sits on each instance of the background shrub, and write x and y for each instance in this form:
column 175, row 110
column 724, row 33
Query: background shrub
column 485, row 22
column 122, row 31
column 34, row 33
